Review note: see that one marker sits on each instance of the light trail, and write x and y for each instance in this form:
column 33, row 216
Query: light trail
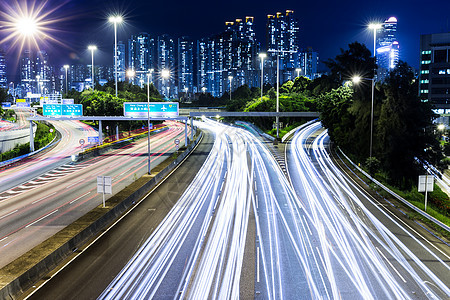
column 362, row 256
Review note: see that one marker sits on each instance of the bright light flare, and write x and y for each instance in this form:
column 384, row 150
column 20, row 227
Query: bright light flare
column 29, row 24
column 356, row 79
column 165, row 73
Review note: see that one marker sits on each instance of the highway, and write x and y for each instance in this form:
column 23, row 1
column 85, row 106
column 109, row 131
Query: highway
column 312, row 233
column 28, row 168
column 38, row 208
column 360, row 247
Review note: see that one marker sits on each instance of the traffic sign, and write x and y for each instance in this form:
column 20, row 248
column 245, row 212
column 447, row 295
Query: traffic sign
column 54, row 110
column 92, row 139
column 66, row 110
column 81, row 141
column 157, row 109
column 22, row 104
column 177, row 141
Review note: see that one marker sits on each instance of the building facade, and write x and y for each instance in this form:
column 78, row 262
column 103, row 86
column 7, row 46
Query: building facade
column 186, row 66
column 3, row 78
column 164, row 78
column 282, row 42
column 434, row 77
column 387, row 48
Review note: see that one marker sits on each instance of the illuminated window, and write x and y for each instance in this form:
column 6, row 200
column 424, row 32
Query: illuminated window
column 425, row 71
column 424, row 91
column 426, row 62
column 426, row 52
column 424, row 81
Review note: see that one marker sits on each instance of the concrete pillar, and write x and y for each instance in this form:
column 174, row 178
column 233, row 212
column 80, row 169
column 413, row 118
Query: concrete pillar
column 192, row 128
column 31, row 137
column 185, row 132
column 100, row 133
column 117, row 131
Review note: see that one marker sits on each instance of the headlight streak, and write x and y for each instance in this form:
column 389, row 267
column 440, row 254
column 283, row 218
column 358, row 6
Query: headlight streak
column 354, row 250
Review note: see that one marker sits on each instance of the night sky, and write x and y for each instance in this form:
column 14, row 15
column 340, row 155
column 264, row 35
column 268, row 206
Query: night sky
column 326, row 26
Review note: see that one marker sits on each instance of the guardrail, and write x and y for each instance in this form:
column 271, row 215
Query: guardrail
column 398, row 197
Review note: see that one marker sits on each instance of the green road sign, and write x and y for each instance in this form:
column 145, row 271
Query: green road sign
column 72, row 110
column 53, row 110
column 157, row 109
column 63, row 110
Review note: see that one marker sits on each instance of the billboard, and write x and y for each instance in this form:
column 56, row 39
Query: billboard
column 157, row 109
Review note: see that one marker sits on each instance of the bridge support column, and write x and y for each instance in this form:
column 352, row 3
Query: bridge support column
column 31, row 137
column 100, row 133
column 185, row 132
column 117, row 132
column 192, row 128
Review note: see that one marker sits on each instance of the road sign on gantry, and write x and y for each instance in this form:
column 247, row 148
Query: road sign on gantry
column 157, row 109
column 52, row 110
column 71, row 110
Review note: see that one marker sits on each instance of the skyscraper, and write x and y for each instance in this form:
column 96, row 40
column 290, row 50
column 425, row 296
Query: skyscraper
column 283, row 41
column 27, row 72
column 3, row 79
column 185, row 65
column 120, row 61
column 308, row 60
column 387, row 48
column 230, row 53
column 435, row 70
column 165, row 50
column 141, row 56
column 43, row 73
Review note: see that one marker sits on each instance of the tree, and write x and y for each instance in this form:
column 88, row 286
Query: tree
column 404, row 129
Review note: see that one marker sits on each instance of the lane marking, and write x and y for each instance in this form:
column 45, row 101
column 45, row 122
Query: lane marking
column 8, row 214
column 41, row 218
column 398, row 273
column 43, row 198
column 257, row 264
column 79, row 198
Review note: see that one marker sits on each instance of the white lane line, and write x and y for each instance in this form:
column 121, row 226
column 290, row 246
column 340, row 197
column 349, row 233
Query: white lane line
column 257, row 264
column 3, row 239
column 43, row 198
column 74, row 183
column 74, row 200
column 13, row 192
column 398, row 273
column 41, row 218
column 8, row 214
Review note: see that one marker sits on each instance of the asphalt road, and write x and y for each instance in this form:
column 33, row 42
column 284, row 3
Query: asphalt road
column 91, row 272
column 37, row 209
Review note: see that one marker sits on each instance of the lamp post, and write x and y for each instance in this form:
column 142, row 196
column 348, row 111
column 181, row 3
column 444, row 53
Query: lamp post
column 230, row 78
column 374, row 27
column 148, row 118
column 115, row 20
column 203, row 89
column 278, row 97
column 66, row 67
column 298, row 70
column 262, row 56
column 92, row 48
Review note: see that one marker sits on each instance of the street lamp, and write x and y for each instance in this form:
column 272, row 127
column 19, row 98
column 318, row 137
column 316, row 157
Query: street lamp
column 66, row 67
column 230, row 78
column 130, row 74
column 185, row 91
column 150, row 71
column 374, row 27
column 115, row 20
column 92, row 48
column 262, row 56
column 203, row 89
column 298, row 70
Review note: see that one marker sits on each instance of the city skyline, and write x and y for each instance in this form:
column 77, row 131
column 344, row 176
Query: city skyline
column 326, row 28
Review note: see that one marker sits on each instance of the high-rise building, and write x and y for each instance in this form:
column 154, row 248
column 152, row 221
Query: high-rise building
column 166, row 73
column 282, row 32
column 232, row 53
column 185, row 65
column 121, row 61
column 434, row 84
column 43, row 73
column 141, row 56
column 3, row 79
column 387, row 48
column 309, row 61
column 27, row 73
